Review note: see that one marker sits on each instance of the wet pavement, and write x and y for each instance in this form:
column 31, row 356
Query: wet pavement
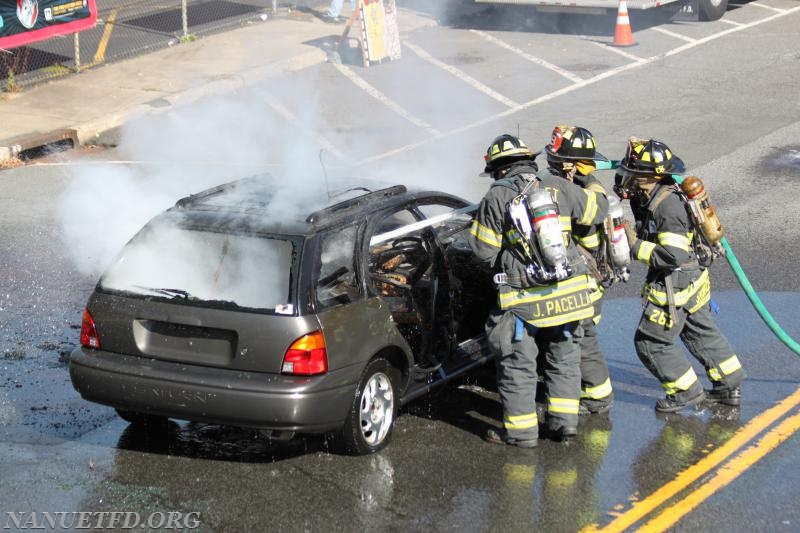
column 60, row 453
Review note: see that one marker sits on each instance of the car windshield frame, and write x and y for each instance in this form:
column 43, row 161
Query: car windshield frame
column 177, row 296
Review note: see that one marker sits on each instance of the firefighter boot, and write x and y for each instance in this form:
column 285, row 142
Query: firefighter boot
column 672, row 403
column 725, row 395
column 595, row 407
column 563, row 433
column 557, row 430
column 500, row 437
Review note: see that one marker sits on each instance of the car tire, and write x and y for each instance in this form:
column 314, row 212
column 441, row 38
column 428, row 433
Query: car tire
column 370, row 421
column 141, row 419
column 712, row 9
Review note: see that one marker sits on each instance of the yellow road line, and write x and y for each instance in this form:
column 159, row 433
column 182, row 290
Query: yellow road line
column 725, row 475
column 100, row 55
column 644, row 507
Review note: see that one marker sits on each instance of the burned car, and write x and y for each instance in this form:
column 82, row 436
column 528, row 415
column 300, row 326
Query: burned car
column 222, row 310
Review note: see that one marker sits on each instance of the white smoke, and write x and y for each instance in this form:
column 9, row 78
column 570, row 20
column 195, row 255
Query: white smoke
column 208, row 266
column 180, row 153
column 279, row 128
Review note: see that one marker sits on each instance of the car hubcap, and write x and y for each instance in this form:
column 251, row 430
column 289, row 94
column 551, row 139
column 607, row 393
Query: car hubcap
column 377, row 408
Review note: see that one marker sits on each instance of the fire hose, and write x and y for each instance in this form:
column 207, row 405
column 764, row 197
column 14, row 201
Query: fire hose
column 751, row 294
column 756, row 301
column 741, row 277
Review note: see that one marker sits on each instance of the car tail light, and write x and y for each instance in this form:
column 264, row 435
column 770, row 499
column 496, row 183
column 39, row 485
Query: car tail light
column 306, row 356
column 89, row 336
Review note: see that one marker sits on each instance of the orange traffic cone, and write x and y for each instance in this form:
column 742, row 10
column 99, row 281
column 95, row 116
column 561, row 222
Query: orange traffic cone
column 623, row 36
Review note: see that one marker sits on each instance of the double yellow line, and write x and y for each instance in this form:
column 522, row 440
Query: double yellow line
column 725, row 475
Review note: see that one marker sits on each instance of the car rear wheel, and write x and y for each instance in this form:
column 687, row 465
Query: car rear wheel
column 369, row 424
column 141, row 419
column 712, row 9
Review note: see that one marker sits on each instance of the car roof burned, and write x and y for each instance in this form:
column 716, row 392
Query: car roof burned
column 253, row 205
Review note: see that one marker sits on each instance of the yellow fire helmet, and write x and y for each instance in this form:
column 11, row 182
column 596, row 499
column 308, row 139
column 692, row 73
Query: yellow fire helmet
column 504, row 150
column 651, row 157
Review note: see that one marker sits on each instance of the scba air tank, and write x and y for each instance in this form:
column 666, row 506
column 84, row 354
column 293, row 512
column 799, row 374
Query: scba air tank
column 702, row 210
column 618, row 246
column 547, row 227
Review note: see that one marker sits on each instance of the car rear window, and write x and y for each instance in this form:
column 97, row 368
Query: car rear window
column 202, row 267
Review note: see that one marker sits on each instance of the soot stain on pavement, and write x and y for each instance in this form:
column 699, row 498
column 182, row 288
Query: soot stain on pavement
column 783, row 158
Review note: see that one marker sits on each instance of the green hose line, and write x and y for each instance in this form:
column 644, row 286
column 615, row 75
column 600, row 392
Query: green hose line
column 738, row 272
column 751, row 293
column 607, row 165
column 756, row 301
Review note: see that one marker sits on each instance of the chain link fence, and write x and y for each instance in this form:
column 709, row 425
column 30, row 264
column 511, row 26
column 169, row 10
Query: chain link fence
column 126, row 28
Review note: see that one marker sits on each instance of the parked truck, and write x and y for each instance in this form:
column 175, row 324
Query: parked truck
column 705, row 9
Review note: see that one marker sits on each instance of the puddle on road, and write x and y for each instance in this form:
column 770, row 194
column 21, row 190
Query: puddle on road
column 219, row 443
column 783, row 158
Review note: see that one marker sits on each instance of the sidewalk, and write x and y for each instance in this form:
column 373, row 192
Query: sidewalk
column 88, row 106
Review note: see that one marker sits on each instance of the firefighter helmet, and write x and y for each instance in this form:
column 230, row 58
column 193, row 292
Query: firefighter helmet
column 650, row 157
column 572, row 143
column 504, row 150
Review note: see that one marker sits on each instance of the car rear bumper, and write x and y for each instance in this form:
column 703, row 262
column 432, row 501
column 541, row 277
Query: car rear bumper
column 270, row 401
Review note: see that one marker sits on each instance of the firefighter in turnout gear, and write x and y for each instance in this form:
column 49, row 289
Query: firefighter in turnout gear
column 572, row 153
column 677, row 291
column 542, row 283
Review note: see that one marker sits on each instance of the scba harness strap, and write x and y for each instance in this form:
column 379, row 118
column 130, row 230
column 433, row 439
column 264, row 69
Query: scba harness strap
column 536, row 235
column 697, row 293
column 519, row 214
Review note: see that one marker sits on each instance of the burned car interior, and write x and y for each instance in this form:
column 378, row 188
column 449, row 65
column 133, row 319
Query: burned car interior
column 414, row 273
column 409, row 263
column 404, row 274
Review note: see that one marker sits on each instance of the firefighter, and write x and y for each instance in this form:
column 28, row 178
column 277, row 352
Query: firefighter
column 541, row 286
column 572, row 153
column 677, row 291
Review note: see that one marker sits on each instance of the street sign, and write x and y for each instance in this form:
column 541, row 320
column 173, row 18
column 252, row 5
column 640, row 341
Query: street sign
column 379, row 35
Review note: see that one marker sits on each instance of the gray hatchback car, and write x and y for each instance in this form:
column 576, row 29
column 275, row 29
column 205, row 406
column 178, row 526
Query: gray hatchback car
column 320, row 322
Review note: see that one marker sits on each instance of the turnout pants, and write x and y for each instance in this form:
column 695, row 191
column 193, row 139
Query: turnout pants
column 656, row 347
column 596, row 388
column 514, row 343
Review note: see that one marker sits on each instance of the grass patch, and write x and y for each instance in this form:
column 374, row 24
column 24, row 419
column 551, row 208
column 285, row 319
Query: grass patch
column 11, row 86
column 57, row 70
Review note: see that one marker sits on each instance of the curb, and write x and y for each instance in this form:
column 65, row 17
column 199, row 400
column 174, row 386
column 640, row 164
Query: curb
column 37, row 140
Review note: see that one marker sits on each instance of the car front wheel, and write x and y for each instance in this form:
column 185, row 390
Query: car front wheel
column 712, row 9
column 369, row 424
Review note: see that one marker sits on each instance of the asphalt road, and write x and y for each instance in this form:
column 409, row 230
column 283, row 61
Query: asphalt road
column 724, row 101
